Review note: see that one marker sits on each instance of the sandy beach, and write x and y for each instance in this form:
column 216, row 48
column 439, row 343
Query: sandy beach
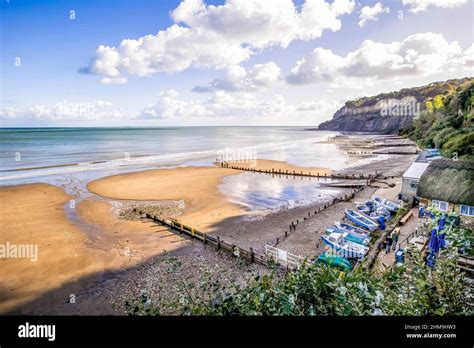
column 33, row 214
column 81, row 245
column 205, row 206
column 69, row 254
column 88, row 245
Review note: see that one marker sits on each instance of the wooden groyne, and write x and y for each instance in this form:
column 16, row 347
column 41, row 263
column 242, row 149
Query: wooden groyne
column 301, row 173
column 384, row 152
column 216, row 242
column 294, row 224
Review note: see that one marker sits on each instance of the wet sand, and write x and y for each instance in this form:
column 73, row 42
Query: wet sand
column 205, row 205
column 33, row 214
column 68, row 252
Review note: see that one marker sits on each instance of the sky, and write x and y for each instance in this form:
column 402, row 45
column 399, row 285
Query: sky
column 234, row 62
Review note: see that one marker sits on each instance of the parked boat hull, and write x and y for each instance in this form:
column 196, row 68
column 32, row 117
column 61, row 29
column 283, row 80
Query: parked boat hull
column 361, row 220
column 347, row 251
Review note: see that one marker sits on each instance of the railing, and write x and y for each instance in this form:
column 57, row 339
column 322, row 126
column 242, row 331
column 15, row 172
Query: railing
column 284, row 258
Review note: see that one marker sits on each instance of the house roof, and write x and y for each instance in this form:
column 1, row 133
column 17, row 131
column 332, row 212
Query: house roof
column 448, row 180
column 416, row 170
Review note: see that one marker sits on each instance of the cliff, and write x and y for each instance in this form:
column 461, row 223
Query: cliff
column 392, row 112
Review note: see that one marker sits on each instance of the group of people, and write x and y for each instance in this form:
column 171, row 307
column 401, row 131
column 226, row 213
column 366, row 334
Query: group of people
column 391, row 241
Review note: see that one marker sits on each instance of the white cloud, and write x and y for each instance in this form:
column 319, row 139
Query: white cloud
column 96, row 110
column 8, row 112
column 114, row 80
column 171, row 106
column 368, row 13
column 208, row 36
column 239, row 105
column 236, row 78
column 421, row 5
column 420, row 54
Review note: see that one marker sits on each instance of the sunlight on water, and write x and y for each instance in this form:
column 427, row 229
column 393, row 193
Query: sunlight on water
column 260, row 191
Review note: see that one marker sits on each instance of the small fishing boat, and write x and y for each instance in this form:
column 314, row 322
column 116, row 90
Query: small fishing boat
column 349, row 235
column 361, row 220
column 349, row 227
column 377, row 213
column 335, row 260
column 363, row 208
column 347, row 249
column 385, row 203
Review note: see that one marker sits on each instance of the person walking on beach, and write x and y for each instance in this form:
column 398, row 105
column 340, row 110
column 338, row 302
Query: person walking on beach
column 395, row 236
column 388, row 244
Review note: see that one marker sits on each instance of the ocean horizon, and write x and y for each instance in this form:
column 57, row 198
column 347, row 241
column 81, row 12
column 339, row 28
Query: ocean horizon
column 28, row 153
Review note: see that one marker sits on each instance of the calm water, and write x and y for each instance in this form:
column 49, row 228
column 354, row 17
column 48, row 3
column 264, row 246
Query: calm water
column 128, row 147
column 91, row 153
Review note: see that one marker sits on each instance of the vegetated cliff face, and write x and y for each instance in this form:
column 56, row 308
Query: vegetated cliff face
column 389, row 112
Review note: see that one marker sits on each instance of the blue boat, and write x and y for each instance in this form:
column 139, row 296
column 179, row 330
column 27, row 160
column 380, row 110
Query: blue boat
column 361, row 220
column 349, row 227
column 387, row 204
column 363, row 208
column 376, row 214
column 335, row 261
column 345, row 248
column 349, row 235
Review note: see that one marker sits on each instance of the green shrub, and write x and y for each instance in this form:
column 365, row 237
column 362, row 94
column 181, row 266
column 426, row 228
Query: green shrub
column 412, row 289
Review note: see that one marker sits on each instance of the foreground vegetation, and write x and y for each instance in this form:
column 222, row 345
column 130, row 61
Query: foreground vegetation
column 411, row 289
column 447, row 124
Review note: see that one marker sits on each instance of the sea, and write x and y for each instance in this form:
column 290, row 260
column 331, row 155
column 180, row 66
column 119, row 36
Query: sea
column 62, row 156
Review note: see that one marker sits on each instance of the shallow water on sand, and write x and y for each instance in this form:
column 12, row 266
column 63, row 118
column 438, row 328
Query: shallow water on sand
column 267, row 192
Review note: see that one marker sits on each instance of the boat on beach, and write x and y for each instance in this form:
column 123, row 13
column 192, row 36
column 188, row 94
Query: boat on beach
column 347, row 249
column 349, row 227
column 375, row 215
column 334, row 260
column 373, row 211
column 349, row 235
column 363, row 208
column 387, row 204
column 361, row 220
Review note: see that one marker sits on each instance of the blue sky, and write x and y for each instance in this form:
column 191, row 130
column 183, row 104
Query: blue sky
column 48, row 89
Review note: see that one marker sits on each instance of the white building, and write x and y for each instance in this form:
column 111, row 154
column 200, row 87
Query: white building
column 411, row 179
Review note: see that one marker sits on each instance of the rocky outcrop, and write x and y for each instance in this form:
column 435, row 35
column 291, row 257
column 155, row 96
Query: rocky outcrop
column 389, row 112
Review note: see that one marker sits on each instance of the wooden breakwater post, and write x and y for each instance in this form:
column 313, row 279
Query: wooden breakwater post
column 236, row 251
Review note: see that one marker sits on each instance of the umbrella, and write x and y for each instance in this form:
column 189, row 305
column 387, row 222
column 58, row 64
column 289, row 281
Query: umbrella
column 442, row 222
column 434, row 241
column 431, row 259
column 381, row 221
column 441, row 240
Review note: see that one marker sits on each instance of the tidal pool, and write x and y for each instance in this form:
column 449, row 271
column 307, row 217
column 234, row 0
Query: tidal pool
column 267, row 192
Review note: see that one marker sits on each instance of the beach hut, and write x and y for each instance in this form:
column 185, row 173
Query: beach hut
column 410, row 180
column 448, row 186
